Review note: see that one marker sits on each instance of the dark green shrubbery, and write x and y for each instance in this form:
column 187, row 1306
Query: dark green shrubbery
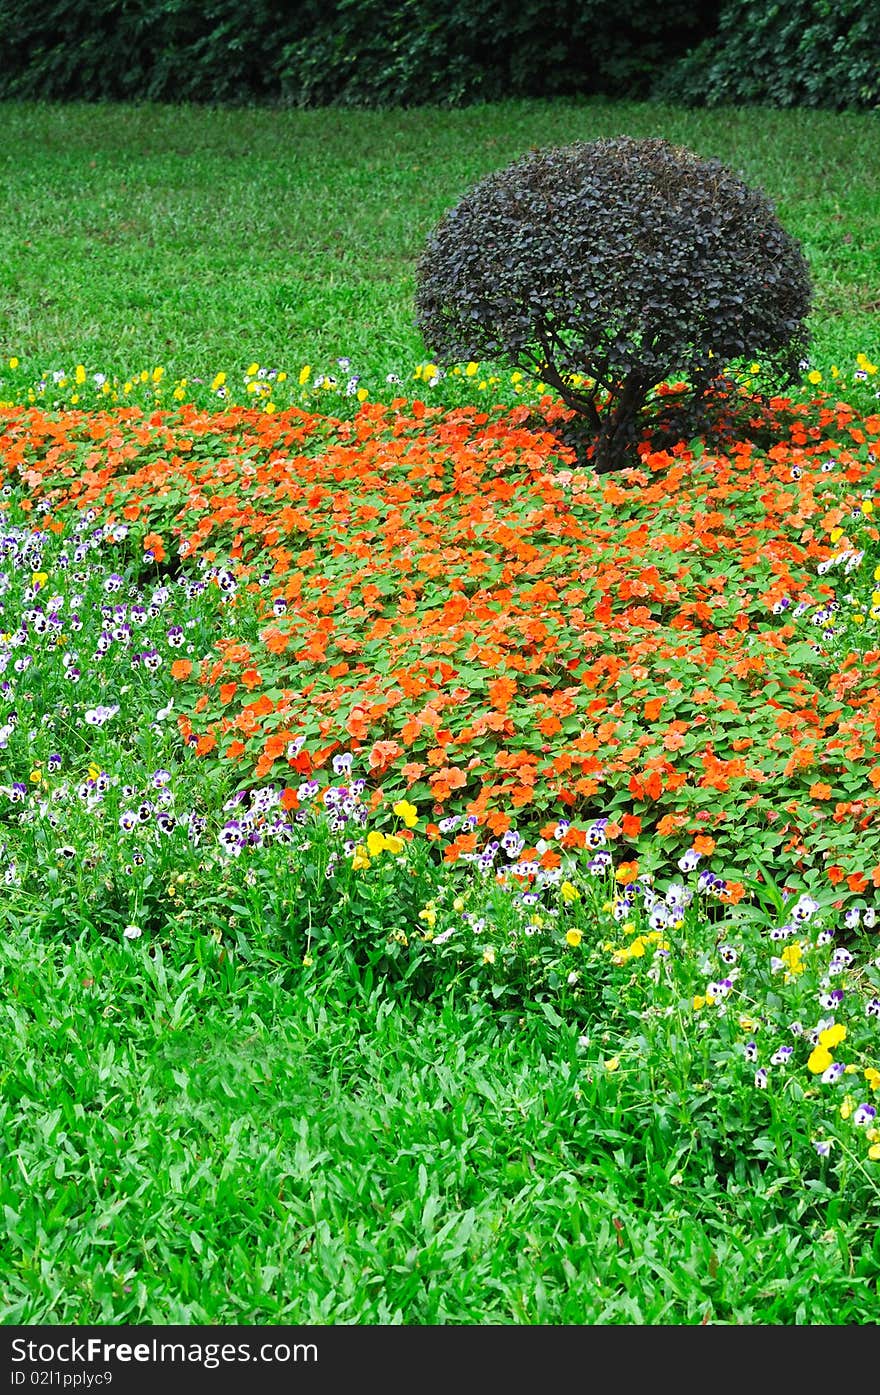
column 804, row 53
column 624, row 263
column 351, row 52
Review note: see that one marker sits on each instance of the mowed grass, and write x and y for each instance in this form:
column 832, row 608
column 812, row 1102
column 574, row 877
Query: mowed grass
column 202, row 1145
column 196, row 1130
column 204, row 239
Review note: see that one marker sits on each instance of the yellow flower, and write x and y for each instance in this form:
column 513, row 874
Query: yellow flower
column 94, row 771
column 158, row 374
column 748, row 1024
column 867, row 506
column 573, row 938
column 836, row 534
column 270, row 408
column 393, row 844
column 254, row 368
column 80, row 374
column 429, row 914
column 218, row 382
column 832, row 1036
column 406, row 811
column 637, row 948
column 516, row 377
column 489, row 955
column 754, row 367
column 39, row 578
column 699, row 1002
column 569, row 892
column 814, row 377
column 362, row 394
column 458, row 903
column 835, row 371
column 13, row 363
column 375, row 843
column 304, row 374
column 791, row 956
column 847, row 1107
column 820, row 1060
column 360, row 859
column 308, row 961
column 874, row 1152
column 429, row 370
column 472, row 369
column 35, row 777
column 613, row 1063
column 873, row 1077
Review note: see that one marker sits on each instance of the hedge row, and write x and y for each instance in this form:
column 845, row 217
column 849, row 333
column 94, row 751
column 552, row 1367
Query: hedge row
column 352, row 52
column 798, row 53
column 371, row 53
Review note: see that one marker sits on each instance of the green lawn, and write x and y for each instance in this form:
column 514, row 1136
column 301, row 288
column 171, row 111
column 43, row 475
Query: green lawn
column 201, row 240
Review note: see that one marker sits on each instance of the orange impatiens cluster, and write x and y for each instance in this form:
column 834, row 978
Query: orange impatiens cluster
column 499, row 632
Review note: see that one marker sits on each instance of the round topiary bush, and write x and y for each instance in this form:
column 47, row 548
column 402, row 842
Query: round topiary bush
column 610, row 267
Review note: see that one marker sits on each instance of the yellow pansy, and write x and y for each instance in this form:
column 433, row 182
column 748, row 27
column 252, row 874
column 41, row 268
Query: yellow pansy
column 569, row 892
column 573, row 937
column 820, row 1060
column 832, row 1036
column 375, row 843
column 406, row 811
column 360, row 859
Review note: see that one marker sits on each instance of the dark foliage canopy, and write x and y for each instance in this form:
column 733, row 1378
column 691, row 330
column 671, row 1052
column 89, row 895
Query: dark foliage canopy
column 628, row 262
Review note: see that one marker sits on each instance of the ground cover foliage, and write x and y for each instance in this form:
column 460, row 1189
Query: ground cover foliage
column 439, row 882
column 376, row 706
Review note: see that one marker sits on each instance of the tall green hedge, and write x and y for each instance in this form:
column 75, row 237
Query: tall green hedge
column 351, row 52
column 804, row 53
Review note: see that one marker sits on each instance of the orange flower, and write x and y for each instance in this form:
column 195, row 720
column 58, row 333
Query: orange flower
column 153, row 543
column 181, row 668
